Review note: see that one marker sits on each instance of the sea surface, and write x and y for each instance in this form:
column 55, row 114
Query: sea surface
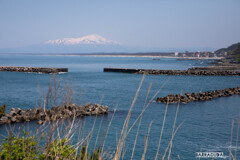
column 206, row 126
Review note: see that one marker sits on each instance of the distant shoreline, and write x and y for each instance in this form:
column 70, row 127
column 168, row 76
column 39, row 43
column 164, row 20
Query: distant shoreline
column 144, row 55
column 135, row 55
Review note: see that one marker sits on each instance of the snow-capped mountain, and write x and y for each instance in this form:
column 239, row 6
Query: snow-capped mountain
column 87, row 44
column 93, row 39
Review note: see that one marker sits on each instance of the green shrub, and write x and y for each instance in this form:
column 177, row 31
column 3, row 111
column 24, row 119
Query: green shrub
column 24, row 147
column 61, row 150
column 237, row 53
column 28, row 147
column 238, row 58
column 2, row 110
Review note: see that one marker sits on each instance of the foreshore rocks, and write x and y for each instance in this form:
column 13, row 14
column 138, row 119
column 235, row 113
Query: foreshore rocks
column 201, row 96
column 199, row 71
column 55, row 113
column 33, row 69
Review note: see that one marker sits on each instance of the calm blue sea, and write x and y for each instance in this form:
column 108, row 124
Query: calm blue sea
column 206, row 127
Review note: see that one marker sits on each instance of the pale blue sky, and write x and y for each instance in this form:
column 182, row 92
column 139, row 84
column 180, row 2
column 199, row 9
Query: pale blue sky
column 146, row 23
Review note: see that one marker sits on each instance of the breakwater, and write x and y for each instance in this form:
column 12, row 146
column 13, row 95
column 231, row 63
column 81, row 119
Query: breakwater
column 33, row 69
column 201, row 71
column 201, row 96
column 55, row 113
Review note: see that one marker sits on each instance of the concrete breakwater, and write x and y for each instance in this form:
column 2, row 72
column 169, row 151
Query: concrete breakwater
column 192, row 71
column 55, row 113
column 201, row 96
column 32, row 69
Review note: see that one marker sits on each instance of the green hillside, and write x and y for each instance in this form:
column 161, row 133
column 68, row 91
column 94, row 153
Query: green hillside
column 231, row 52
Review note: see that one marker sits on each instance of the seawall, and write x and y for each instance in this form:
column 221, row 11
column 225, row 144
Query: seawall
column 53, row 114
column 204, row 71
column 201, row 96
column 33, row 69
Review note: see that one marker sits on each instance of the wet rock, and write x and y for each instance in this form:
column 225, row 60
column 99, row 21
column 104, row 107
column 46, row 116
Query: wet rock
column 19, row 118
column 23, row 112
column 18, row 111
column 12, row 113
column 26, row 118
column 4, row 120
column 13, row 119
column 40, row 122
column 95, row 112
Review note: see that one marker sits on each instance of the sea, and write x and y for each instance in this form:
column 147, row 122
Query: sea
column 202, row 126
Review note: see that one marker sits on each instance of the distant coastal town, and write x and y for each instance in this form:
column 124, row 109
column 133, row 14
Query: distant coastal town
column 229, row 55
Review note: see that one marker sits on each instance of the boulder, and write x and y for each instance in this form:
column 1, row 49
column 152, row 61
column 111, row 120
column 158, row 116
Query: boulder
column 4, row 120
column 40, row 122
column 19, row 118
column 12, row 113
column 13, row 119
column 18, row 111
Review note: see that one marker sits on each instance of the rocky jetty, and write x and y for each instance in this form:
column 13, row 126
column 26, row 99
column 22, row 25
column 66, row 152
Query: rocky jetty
column 55, row 113
column 191, row 72
column 201, row 96
column 200, row 71
column 33, row 69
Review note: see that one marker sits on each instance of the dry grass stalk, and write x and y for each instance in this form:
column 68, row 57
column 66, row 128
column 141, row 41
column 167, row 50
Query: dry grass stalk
column 160, row 139
column 125, row 126
column 146, row 142
column 135, row 142
column 163, row 157
column 230, row 151
column 136, row 137
column 147, row 105
column 235, row 157
column 175, row 120
column 107, row 132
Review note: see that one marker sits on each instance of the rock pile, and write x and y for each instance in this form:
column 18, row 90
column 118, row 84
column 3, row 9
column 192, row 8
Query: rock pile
column 55, row 113
column 192, row 72
column 33, row 69
column 199, row 71
column 201, row 96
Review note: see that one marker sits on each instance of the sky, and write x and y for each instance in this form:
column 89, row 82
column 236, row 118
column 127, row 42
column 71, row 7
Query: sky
column 145, row 23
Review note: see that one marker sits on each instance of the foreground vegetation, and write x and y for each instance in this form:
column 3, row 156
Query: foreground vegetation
column 28, row 147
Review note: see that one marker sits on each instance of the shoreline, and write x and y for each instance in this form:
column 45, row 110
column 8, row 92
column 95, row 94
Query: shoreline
column 130, row 55
column 125, row 55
